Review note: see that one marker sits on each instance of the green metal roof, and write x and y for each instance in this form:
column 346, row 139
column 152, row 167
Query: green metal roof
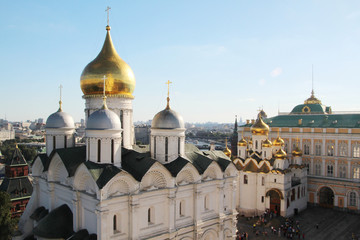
column 57, row 224
column 102, row 173
column 314, row 121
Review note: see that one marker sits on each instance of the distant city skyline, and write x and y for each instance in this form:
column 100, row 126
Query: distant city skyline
column 224, row 58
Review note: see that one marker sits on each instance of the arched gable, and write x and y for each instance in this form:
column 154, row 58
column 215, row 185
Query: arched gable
column 239, row 164
column 210, row 234
column 37, row 167
column 281, row 195
column 188, row 174
column 121, row 184
column 231, row 171
column 57, row 171
column 157, row 177
column 83, row 181
column 213, row 171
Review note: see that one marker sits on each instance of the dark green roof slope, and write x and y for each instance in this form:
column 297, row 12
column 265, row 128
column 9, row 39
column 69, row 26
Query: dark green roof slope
column 43, row 158
column 219, row 157
column 135, row 163
column 17, row 159
column 175, row 166
column 71, row 157
column 57, row 224
column 17, row 187
column 102, row 173
column 39, row 213
column 314, row 121
column 80, row 235
column 199, row 161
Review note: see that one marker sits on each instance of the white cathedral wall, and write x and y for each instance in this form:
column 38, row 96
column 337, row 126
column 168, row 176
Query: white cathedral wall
column 115, row 104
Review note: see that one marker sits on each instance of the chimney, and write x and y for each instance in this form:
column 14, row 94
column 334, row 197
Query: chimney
column 300, row 121
column 247, row 121
column 252, row 121
column 212, row 146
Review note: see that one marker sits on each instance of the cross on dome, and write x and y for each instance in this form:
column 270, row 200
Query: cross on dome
column 108, row 13
column 60, row 102
column 168, row 94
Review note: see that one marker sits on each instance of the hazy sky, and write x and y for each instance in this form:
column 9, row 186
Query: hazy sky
column 225, row 58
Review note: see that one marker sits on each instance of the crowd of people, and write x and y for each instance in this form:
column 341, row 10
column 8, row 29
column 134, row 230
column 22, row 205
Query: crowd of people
column 289, row 229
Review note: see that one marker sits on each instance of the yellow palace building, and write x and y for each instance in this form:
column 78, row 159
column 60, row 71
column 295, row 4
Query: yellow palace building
column 330, row 143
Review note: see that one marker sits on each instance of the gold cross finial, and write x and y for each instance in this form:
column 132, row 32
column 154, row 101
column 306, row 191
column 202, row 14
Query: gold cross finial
column 108, row 13
column 60, row 102
column 168, row 95
column 104, row 96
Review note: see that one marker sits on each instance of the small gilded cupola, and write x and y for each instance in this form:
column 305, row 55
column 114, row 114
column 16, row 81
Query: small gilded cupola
column 260, row 131
column 297, row 154
column 167, row 134
column 60, row 129
column 281, row 161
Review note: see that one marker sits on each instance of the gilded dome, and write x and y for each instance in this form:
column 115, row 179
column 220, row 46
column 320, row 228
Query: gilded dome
column 279, row 142
column 297, row 152
column 267, row 143
column 227, row 152
column 281, row 154
column 120, row 78
column 242, row 142
column 259, row 127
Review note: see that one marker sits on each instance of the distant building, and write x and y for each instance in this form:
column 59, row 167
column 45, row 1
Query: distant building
column 7, row 132
column 330, row 144
column 142, row 133
column 17, row 183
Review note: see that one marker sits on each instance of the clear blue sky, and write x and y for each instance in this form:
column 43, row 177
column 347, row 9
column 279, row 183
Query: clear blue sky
column 225, row 58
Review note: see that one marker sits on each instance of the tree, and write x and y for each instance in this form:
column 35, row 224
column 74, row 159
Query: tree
column 7, row 224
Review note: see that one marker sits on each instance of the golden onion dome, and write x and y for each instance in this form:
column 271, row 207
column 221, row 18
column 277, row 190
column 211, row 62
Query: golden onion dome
column 281, row 154
column 297, row 152
column 267, row 143
column 259, row 127
column 242, row 142
column 120, row 79
column 227, row 152
column 278, row 142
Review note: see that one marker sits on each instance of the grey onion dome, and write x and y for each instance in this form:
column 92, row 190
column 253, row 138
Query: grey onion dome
column 167, row 119
column 60, row 119
column 103, row 119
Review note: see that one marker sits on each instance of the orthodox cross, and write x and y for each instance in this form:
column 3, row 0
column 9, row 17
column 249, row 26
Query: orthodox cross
column 60, row 102
column 108, row 12
column 168, row 83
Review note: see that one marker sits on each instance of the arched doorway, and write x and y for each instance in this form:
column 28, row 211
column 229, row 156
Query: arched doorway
column 275, row 200
column 326, row 197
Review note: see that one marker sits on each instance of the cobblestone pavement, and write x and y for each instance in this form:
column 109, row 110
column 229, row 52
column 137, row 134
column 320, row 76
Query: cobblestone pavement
column 332, row 224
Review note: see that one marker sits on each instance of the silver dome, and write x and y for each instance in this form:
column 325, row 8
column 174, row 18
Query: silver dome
column 167, row 119
column 103, row 119
column 60, row 119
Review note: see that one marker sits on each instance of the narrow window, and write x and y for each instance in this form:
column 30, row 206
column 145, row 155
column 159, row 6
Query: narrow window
column 256, row 144
column 114, row 224
column 298, row 193
column 150, row 220
column 122, row 126
column 245, row 179
column 112, row 150
column 179, row 146
column 262, row 181
column 206, row 202
column 166, row 149
column 88, row 149
column 155, row 147
column 65, row 142
column 262, row 199
column 54, row 142
column 99, row 151
column 182, row 208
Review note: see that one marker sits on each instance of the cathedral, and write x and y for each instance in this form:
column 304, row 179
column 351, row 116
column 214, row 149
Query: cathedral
column 268, row 178
column 113, row 189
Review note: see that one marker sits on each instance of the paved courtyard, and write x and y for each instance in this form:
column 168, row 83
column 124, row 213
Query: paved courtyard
column 315, row 223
